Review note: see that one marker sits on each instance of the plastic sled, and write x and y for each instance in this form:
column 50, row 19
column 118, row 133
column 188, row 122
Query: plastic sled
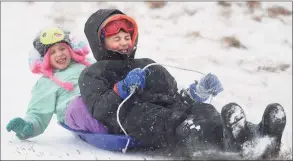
column 105, row 141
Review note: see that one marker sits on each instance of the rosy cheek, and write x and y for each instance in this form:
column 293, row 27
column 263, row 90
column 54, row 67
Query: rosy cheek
column 130, row 45
column 51, row 59
column 114, row 46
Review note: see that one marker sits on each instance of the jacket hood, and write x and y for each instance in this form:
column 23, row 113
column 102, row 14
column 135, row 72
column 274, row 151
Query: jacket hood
column 92, row 30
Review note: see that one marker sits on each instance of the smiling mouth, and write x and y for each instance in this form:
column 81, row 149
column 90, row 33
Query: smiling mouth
column 123, row 51
column 61, row 60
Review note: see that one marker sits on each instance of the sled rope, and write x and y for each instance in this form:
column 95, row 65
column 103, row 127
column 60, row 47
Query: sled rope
column 172, row 67
column 133, row 90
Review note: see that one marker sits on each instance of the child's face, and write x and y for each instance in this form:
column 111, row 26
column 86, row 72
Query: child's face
column 119, row 42
column 59, row 56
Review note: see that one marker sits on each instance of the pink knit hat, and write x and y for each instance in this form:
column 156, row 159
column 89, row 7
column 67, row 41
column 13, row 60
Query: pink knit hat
column 40, row 63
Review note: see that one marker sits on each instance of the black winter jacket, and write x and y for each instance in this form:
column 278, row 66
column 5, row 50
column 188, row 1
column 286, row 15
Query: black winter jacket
column 150, row 115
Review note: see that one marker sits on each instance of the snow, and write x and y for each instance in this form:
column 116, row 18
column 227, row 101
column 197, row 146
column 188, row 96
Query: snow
column 255, row 148
column 278, row 115
column 198, row 127
column 252, row 77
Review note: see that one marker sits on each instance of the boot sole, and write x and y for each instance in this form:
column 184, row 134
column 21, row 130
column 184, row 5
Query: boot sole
column 234, row 119
column 276, row 120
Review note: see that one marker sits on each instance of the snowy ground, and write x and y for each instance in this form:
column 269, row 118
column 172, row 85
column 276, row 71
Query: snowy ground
column 187, row 35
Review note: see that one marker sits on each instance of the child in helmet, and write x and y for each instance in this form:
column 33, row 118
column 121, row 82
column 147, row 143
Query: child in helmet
column 156, row 114
column 59, row 59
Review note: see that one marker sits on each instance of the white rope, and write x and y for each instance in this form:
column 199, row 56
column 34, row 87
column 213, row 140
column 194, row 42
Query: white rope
column 147, row 66
column 132, row 91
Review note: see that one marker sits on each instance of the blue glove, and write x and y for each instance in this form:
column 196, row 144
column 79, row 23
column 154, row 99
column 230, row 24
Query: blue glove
column 209, row 85
column 22, row 128
column 135, row 78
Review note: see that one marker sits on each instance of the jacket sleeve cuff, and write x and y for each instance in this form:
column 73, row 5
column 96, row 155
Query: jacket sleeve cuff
column 36, row 127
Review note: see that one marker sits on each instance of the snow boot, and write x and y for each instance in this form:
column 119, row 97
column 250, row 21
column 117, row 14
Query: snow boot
column 235, row 130
column 272, row 125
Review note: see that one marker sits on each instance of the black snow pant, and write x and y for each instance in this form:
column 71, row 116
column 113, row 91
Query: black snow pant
column 156, row 125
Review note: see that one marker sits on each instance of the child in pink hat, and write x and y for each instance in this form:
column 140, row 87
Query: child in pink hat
column 60, row 60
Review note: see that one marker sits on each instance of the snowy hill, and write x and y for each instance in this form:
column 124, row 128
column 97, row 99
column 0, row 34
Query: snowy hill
column 248, row 48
